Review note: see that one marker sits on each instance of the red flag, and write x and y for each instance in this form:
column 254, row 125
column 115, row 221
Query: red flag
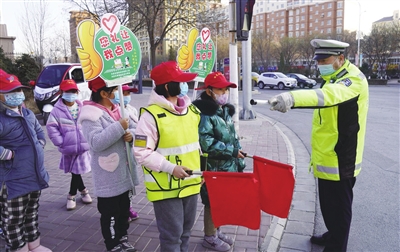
column 276, row 181
column 234, row 199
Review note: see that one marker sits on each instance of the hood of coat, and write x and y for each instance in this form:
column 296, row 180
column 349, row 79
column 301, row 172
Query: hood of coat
column 208, row 106
column 161, row 101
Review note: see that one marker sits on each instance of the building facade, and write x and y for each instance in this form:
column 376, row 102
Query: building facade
column 298, row 18
column 6, row 42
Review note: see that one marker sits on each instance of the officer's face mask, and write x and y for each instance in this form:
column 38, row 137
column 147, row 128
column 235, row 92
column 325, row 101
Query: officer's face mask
column 327, row 69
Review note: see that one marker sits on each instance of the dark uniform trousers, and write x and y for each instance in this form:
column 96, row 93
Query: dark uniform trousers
column 336, row 198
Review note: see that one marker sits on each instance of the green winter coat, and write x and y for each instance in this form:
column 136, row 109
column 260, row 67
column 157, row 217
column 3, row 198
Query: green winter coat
column 218, row 138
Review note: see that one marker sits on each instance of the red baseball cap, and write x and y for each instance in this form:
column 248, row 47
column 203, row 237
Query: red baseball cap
column 170, row 71
column 216, row 80
column 9, row 82
column 96, row 84
column 68, row 85
column 129, row 88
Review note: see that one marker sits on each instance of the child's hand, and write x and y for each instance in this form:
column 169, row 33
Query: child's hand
column 127, row 137
column 179, row 172
column 124, row 123
column 241, row 154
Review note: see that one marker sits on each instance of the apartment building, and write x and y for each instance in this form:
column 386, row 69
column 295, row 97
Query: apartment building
column 298, row 18
column 6, row 42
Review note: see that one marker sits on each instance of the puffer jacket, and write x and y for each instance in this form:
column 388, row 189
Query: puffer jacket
column 23, row 135
column 66, row 134
column 109, row 160
column 217, row 135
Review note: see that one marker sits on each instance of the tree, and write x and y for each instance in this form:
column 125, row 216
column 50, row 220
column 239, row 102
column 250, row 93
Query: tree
column 34, row 22
column 378, row 47
column 26, row 69
column 286, row 50
column 5, row 62
column 261, row 48
column 156, row 17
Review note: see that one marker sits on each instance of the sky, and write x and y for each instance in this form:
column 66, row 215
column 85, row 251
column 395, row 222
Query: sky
column 11, row 12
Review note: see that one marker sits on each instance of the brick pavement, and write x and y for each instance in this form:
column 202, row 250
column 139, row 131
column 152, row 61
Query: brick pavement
column 79, row 230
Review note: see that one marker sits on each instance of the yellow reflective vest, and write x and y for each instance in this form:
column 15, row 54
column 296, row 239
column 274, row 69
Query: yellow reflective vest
column 339, row 122
column 179, row 142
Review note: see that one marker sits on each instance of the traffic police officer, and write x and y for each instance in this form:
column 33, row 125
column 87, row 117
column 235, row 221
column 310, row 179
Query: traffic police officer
column 338, row 132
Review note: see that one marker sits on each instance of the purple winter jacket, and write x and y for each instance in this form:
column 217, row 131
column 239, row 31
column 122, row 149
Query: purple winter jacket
column 66, row 134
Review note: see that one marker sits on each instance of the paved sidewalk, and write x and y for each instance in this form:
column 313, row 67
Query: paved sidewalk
column 79, row 230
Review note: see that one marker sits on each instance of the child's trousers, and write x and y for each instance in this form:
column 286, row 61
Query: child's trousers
column 19, row 218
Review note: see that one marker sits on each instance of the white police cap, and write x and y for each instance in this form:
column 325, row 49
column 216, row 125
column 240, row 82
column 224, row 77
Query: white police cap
column 325, row 48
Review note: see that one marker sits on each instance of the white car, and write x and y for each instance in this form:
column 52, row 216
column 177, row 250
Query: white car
column 276, row 79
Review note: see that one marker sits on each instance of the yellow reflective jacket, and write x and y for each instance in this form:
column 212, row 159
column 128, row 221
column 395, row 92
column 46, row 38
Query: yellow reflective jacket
column 339, row 122
column 179, row 142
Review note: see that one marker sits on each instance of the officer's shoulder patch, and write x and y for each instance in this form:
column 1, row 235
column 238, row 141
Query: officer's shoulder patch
column 347, row 82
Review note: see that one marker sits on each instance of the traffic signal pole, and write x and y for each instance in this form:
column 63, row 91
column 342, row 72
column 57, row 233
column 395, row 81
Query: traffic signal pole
column 247, row 113
column 233, row 64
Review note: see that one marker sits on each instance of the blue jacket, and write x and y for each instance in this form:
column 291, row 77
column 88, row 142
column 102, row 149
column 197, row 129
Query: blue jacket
column 23, row 135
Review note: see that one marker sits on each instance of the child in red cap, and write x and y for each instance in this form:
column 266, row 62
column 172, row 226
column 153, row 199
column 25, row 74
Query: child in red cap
column 134, row 117
column 66, row 133
column 167, row 146
column 23, row 173
column 107, row 133
column 219, row 140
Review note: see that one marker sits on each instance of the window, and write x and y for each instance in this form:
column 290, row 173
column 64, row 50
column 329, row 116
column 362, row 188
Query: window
column 303, row 18
column 340, row 5
column 290, row 20
column 322, row 7
column 302, row 33
column 282, row 28
column 302, row 26
column 282, row 13
column 339, row 13
column 310, row 24
column 339, row 21
column 290, row 34
column 329, row 22
column 290, row 13
column 290, row 27
column 339, row 30
column 322, row 23
column 297, row 19
column 303, row 10
column 316, row 20
column 297, row 12
column 329, row 5
column 329, row 13
column 297, row 27
column 329, row 30
column 311, row 8
column 297, row 34
column 282, row 20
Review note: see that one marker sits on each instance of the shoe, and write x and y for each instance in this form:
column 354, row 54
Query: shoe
column 225, row 237
column 126, row 246
column 321, row 240
column 86, row 199
column 2, row 234
column 215, row 243
column 132, row 215
column 71, row 202
column 117, row 248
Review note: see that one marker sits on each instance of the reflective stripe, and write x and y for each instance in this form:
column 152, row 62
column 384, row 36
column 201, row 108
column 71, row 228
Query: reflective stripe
column 179, row 149
column 320, row 97
column 150, row 178
column 334, row 170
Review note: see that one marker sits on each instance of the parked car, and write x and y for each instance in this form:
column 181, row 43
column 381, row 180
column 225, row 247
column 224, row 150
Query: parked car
column 46, row 89
column 276, row 79
column 302, row 81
